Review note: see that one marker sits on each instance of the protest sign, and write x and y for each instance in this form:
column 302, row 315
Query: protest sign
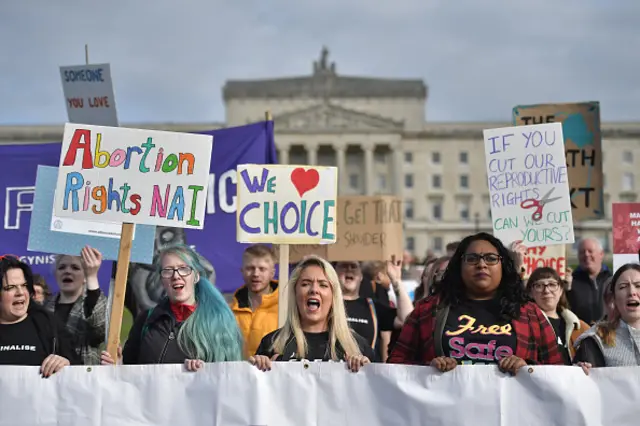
column 546, row 257
column 528, row 185
column 286, row 204
column 583, row 150
column 319, row 393
column 369, row 228
column 626, row 233
column 140, row 176
column 43, row 239
column 88, row 93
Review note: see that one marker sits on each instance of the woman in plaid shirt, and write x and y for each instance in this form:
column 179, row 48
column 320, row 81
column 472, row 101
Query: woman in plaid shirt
column 479, row 314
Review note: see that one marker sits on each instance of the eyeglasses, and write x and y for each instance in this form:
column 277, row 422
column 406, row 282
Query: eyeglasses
column 490, row 259
column 13, row 288
column 553, row 286
column 183, row 271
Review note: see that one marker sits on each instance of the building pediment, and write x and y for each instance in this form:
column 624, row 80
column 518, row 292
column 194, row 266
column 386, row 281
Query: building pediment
column 327, row 117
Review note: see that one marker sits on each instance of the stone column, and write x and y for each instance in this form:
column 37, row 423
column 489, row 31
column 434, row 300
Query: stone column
column 341, row 163
column 312, row 155
column 398, row 176
column 368, row 169
column 283, row 155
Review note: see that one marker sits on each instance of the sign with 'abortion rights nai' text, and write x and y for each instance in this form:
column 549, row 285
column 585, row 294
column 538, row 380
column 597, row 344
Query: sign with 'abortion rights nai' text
column 529, row 185
column 284, row 204
column 112, row 174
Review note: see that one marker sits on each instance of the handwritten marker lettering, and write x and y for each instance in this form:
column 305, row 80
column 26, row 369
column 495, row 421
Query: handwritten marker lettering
column 528, row 184
column 152, row 175
column 286, row 203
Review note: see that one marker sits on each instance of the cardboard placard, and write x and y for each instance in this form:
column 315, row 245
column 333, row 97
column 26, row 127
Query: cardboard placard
column 369, row 229
column 149, row 177
column 282, row 204
column 626, row 233
column 583, row 150
column 528, row 185
column 551, row 257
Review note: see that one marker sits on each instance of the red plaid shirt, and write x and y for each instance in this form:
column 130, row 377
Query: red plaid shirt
column 536, row 340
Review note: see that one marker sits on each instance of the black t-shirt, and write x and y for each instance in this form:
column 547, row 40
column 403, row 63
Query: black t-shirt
column 360, row 313
column 63, row 310
column 317, row 347
column 20, row 344
column 559, row 327
column 475, row 333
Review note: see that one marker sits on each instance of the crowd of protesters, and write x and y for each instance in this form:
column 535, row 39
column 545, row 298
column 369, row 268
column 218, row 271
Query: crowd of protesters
column 472, row 306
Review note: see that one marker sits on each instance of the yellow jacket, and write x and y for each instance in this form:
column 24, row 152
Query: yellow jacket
column 255, row 324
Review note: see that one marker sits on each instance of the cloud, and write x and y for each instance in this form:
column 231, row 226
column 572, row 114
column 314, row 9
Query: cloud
column 170, row 59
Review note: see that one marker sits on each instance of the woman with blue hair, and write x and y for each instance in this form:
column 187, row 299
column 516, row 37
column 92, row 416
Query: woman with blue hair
column 192, row 325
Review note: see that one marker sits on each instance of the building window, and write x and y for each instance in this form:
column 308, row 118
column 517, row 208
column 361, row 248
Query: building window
column 628, row 182
column 464, row 157
column 627, row 157
column 382, row 182
column 436, row 211
column 381, row 158
column 463, row 208
column 408, row 180
column 408, row 157
column 354, row 181
column 437, row 244
column 410, row 243
column 436, row 181
column 464, row 181
column 604, row 180
column 408, row 209
column 435, row 157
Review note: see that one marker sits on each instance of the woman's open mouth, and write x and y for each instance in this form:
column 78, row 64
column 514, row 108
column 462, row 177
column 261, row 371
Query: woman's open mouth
column 313, row 304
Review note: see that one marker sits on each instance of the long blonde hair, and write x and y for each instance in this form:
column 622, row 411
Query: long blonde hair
column 339, row 331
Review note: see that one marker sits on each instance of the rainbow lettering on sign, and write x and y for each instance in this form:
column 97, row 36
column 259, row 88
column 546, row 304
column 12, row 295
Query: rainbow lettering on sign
column 271, row 210
column 167, row 201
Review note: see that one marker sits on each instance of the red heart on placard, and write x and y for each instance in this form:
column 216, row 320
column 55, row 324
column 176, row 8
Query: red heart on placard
column 304, row 180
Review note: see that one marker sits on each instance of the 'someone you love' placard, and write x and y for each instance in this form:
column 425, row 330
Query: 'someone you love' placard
column 113, row 174
column 284, row 204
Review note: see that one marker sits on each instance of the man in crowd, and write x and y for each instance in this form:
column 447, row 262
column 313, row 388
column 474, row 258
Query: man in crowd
column 255, row 304
column 585, row 295
column 368, row 317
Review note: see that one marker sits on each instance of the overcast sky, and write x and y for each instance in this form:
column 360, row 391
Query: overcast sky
column 170, row 59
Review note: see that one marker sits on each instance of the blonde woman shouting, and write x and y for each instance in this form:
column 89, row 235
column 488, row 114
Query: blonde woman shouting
column 316, row 327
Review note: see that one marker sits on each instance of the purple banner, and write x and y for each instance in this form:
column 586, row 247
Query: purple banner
column 252, row 143
column 17, row 181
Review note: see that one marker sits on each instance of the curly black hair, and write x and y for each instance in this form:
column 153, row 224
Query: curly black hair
column 511, row 292
column 9, row 262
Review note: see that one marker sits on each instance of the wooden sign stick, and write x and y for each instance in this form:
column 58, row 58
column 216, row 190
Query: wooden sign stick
column 119, row 290
column 283, row 273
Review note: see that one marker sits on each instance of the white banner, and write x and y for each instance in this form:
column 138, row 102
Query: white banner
column 323, row 394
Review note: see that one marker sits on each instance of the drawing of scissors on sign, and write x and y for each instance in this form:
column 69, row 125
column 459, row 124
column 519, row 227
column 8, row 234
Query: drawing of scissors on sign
column 538, row 204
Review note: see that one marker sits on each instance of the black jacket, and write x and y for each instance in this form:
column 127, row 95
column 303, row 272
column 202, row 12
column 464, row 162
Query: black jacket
column 585, row 297
column 55, row 339
column 153, row 338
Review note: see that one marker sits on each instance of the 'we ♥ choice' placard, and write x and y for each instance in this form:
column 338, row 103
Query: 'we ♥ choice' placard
column 150, row 177
column 285, row 204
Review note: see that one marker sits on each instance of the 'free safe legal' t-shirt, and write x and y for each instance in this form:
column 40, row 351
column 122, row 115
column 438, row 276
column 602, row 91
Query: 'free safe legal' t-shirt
column 476, row 334
column 20, row 344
